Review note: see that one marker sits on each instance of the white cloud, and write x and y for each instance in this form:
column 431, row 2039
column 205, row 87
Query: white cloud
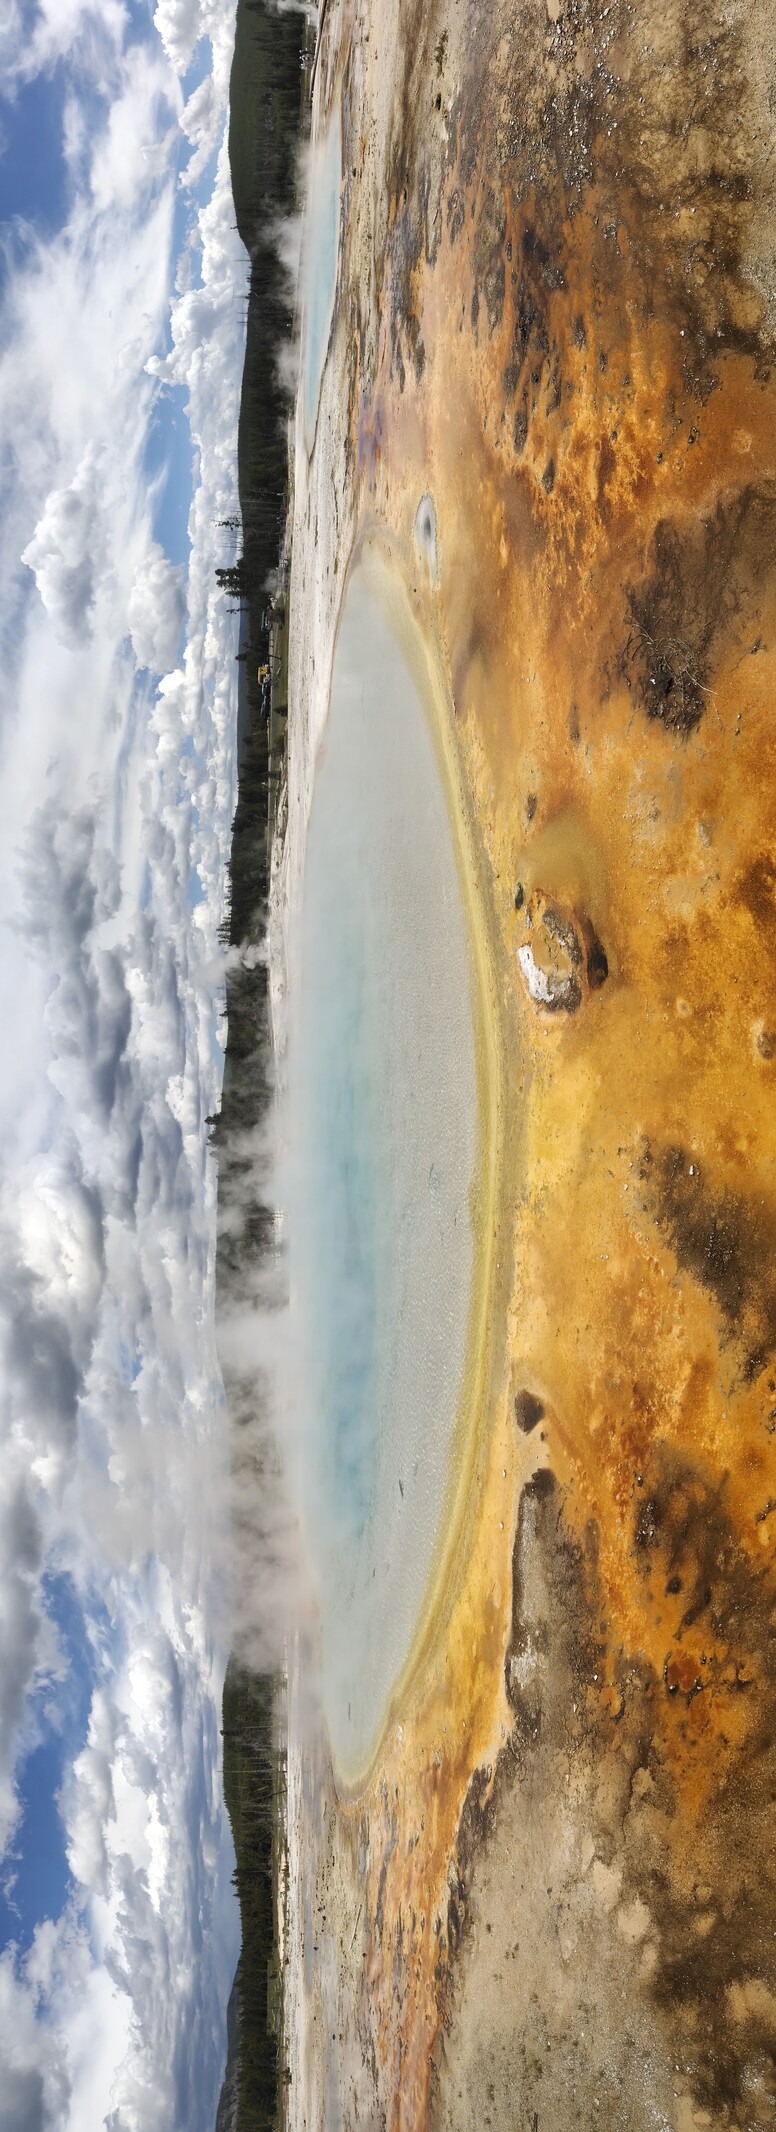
column 135, row 143
column 201, row 121
column 63, row 553
column 90, row 1802
column 98, row 2039
column 114, row 792
column 50, row 2085
column 20, row 1560
column 36, row 2089
column 156, row 610
column 180, row 23
column 94, row 27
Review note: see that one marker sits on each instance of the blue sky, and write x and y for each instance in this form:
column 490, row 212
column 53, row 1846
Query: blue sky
column 169, row 443
column 120, row 365
column 35, row 191
column 32, row 169
column 38, row 1881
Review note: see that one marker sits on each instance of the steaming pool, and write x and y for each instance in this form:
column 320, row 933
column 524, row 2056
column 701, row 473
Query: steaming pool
column 384, row 1103
column 319, row 265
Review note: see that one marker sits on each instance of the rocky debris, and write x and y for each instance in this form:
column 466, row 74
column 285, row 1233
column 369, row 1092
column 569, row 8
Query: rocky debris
column 529, row 1411
column 563, row 958
column 552, row 961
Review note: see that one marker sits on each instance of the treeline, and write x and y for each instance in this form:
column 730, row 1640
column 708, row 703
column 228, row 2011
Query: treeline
column 267, row 100
column 267, row 109
column 253, row 1785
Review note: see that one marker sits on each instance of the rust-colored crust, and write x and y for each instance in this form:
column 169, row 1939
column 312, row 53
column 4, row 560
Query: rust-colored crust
column 565, row 338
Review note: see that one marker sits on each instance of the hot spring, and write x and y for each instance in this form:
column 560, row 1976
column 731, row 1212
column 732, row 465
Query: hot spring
column 319, row 265
column 385, row 1123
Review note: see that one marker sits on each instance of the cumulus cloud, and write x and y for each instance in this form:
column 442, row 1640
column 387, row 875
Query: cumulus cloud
column 156, row 610
column 58, row 1991
column 90, row 1804
column 201, row 123
column 36, row 2088
column 116, row 796
column 70, row 888
column 20, row 1559
column 51, row 1279
column 63, row 553
column 180, row 23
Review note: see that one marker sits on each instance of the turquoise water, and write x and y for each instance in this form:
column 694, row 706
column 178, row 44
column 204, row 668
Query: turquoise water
column 384, row 1126
column 319, row 265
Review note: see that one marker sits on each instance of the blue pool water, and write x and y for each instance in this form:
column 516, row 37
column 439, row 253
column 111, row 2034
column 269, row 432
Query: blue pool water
column 383, row 1096
column 319, row 265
